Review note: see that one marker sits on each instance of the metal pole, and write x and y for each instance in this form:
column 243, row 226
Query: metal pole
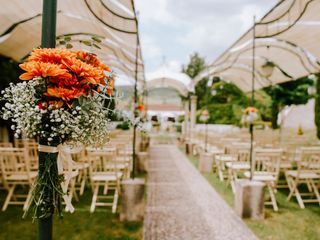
column 135, row 110
column 49, row 16
column 252, row 96
column 206, row 129
column 48, row 40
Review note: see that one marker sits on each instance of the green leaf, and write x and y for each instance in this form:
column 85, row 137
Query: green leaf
column 96, row 39
column 69, row 45
column 67, row 38
column 88, row 43
column 95, row 45
column 62, row 42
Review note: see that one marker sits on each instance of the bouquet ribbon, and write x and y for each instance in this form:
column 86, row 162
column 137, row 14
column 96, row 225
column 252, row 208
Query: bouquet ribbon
column 64, row 159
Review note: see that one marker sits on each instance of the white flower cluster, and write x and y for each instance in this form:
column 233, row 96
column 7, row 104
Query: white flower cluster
column 21, row 108
column 143, row 126
column 250, row 117
column 87, row 124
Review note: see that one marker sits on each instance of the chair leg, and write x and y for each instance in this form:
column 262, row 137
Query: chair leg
column 220, row 172
column 273, row 197
column 72, row 190
column 105, row 189
column 27, row 202
column 298, row 196
column 82, row 185
column 231, row 179
column 291, row 184
column 309, row 185
column 8, row 198
column 94, row 198
column 115, row 201
column 316, row 190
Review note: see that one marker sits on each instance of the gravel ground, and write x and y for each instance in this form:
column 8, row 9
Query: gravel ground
column 181, row 204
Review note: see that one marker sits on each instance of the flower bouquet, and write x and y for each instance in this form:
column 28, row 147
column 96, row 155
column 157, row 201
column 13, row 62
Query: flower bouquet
column 250, row 114
column 62, row 102
column 204, row 117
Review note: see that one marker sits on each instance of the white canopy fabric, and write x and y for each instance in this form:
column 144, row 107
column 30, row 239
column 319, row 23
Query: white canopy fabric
column 114, row 21
column 288, row 36
column 166, row 82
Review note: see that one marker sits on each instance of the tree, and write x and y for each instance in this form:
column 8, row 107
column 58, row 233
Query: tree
column 288, row 93
column 227, row 105
column 195, row 66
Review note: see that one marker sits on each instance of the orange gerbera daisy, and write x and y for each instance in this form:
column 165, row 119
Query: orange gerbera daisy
column 41, row 69
column 66, row 82
column 140, row 107
column 105, row 67
column 91, row 59
column 65, row 94
column 111, row 86
column 92, row 74
column 250, row 109
column 88, row 58
column 51, row 55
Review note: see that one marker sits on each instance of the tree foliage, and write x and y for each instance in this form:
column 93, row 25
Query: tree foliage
column 227, row 105
column 195, row 66
column 288, row 93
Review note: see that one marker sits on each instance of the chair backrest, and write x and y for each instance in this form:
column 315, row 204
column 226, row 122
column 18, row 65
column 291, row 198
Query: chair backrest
column 243, row 155
column 309, row 158
column 6, row 144
column 14, row 161
column 268, row 160
column 241, row 150
column 33, row 152
column 22, row 142
column 102, row 160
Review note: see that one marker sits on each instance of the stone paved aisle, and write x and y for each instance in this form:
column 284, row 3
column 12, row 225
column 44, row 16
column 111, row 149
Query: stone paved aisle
column 182, row 205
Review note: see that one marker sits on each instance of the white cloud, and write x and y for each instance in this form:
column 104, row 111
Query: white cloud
column 177, row 28
column 149, row 47
column 154, row 10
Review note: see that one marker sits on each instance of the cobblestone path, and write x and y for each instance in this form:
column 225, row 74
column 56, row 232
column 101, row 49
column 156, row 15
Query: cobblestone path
column 182, row 205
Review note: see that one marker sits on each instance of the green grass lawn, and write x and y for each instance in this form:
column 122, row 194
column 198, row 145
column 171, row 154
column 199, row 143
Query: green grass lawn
column 290, row 223
column 100, row 225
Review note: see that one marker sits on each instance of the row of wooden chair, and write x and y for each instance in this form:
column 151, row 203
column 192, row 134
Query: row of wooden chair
column 98, row 167
column 299, row 167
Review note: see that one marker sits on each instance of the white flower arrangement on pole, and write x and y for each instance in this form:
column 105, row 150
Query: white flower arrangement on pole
column 61, row 102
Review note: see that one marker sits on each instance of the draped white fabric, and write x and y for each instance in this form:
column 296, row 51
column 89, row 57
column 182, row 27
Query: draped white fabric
column 112, row 20
column 288, row 36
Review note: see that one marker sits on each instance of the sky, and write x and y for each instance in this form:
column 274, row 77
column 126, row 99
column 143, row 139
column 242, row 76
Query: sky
column 171, row 30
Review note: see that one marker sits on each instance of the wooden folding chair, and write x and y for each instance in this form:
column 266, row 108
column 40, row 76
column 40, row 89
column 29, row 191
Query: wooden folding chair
column 266, row 163
column 221, row 160
column 240, row 166
column 15, row 169
column 308, row 173
column 81, row 164
column 105, row 173
column 32, row 148
column 3, row 144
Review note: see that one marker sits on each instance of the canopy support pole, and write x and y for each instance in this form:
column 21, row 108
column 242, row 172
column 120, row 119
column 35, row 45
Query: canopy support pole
column 252, row 95
column 48, row 40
